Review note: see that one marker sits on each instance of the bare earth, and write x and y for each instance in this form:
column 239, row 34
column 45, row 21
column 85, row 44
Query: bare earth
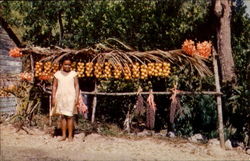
column 41, row 146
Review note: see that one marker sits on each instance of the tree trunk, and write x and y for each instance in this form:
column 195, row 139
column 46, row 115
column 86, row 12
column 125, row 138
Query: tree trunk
column 222, row 10
column 61, row 27
column 10, row 32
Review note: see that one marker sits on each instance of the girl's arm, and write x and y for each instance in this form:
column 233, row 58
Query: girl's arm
column 77, row 90
column 54, row 89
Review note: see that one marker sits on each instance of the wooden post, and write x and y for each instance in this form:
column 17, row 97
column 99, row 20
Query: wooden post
column 218, row 99
column 50, row 108
column 94, row 104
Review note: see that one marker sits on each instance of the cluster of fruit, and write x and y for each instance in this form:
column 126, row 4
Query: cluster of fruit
column 80, row 69
column 45, row 71
column 4, row 94
column 26, row 76
column 202, row 49
column 117, row 71
column 16, row 52
column 89, row 69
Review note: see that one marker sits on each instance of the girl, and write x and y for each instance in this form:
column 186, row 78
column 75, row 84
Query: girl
column 65, row 95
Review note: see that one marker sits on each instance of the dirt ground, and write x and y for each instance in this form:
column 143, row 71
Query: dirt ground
column 41, row 146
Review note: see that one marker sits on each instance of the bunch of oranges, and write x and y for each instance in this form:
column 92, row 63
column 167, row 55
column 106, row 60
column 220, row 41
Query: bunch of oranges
column 98, row 70
column 45, row 71
column 135, row 70
column 26, row 76
column 202, row 49
column 189, row 47
column 80, row 69
column 89, row 69
column 107, row 70
column 16, row 52
column 4, row 94
column 117, row 71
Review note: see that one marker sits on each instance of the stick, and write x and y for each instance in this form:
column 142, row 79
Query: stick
column 156, row 93
column 218, row 99
column 50, row 108
column 94, row 105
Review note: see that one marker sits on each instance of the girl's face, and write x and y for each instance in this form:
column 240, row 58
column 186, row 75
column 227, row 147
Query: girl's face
column 66, row 65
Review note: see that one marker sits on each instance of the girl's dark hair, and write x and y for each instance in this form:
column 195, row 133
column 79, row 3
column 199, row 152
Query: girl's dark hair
column 64, row 59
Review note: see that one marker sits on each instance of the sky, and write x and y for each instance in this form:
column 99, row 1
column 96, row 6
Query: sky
column 247, row 2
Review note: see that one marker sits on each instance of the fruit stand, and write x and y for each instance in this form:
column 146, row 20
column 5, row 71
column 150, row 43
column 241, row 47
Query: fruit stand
column 119, row 61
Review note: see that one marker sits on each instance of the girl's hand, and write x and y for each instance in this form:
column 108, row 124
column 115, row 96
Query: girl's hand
column 53, row 103
column 76, row 103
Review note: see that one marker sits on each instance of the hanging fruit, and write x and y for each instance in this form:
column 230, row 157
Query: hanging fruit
column 89, row 69
column 151, row 69
column 204, row 49
column 26, row 76
column 189, row 47
column 144, row 71
column 127, row 72
column 15, row 53
column 117, row 71
column 38, row 69
column 98, row 70
column 107, row 70
column 80, row 69
column 73, row 66
column 136, row 70
column 165, row 69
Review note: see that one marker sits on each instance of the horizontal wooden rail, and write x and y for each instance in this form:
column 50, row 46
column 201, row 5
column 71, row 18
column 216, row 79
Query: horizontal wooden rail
column 156, row 93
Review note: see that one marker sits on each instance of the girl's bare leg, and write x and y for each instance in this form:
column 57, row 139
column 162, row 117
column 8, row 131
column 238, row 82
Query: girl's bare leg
column 70, row 122
column 64, row 128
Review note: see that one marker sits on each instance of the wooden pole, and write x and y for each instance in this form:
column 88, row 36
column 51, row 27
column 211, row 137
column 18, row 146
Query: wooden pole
column 50, row 108
column 155, row 93
column 94, row 104
column 219, row 102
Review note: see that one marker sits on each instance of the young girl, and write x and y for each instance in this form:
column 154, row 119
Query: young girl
column 65, row 95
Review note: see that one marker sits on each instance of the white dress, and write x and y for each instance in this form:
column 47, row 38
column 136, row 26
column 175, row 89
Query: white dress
column 66, row 93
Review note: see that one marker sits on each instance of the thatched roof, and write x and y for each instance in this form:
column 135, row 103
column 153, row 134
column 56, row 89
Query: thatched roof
column 116, row 52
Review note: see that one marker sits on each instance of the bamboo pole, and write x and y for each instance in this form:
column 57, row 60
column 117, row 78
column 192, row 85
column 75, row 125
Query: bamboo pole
column 50, row 108
column 155, row 93
column 218, row 99
column 94, row 104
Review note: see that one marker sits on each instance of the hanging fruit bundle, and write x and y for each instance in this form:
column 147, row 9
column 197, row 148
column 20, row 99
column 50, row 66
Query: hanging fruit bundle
column 38, row 69
column 204, row 49
column 144, row 72
column 201, row 49
column 127, row 72
column 26, row 76
column 46, row 70
column 107, row 70
column 80, row 69
column 165, row 69
column 4, row 93
column 15, row 53
column 117, row 71
column 189, row 47
column 151, row 69
column 135, row 70
column 89, row 69
column 98, row 70
column 73, row 66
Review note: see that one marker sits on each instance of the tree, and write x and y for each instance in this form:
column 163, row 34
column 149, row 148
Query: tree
column 222, row 10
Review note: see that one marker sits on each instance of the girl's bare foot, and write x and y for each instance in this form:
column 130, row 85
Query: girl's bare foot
column 62, row 139
column 70, row 139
